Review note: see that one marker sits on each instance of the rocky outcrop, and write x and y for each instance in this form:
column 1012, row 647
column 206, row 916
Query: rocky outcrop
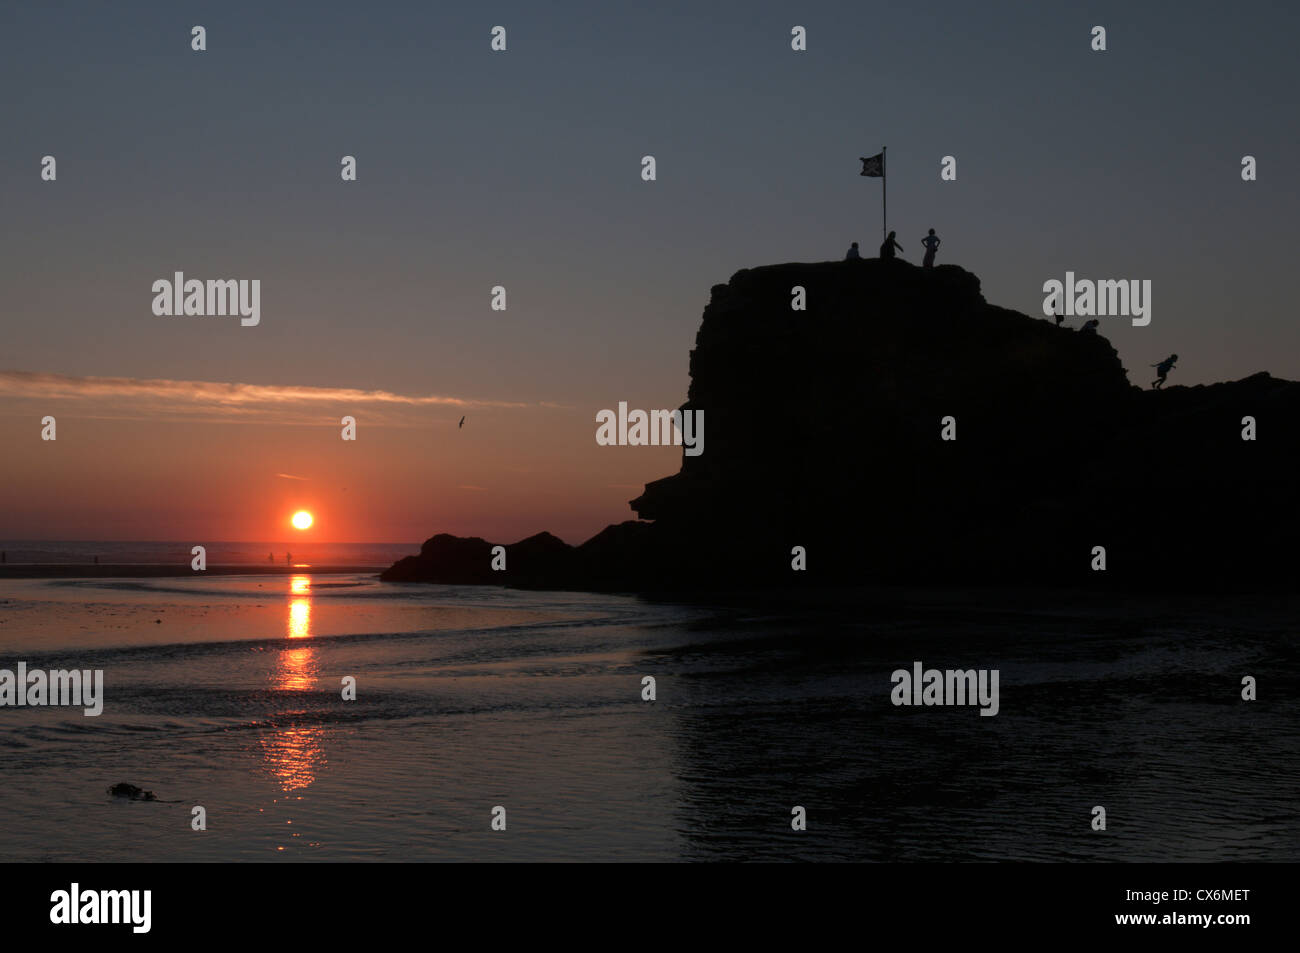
column 823, row 430
column 458, row 561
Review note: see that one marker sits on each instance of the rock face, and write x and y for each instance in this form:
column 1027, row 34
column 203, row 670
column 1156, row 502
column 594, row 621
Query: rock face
column 823, row 430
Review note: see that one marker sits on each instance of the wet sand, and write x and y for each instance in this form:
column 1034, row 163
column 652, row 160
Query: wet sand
column 226, row 693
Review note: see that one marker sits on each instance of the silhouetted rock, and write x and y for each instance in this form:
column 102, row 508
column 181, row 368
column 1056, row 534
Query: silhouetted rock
column 131, row 792
column 822, row 430
column 447, row 559
column 542, row 559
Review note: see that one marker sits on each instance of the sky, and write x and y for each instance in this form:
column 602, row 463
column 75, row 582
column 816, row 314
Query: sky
column 522, row 169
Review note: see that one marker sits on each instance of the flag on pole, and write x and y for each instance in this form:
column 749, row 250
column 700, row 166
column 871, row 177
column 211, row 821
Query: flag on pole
column 874, row 167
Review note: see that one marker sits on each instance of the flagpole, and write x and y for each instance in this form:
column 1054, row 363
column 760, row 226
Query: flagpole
column 884, row 200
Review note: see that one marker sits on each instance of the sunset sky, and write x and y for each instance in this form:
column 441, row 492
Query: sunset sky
column 522, row 169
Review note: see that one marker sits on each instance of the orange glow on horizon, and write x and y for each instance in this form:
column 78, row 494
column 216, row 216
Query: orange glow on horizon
column 156, row 489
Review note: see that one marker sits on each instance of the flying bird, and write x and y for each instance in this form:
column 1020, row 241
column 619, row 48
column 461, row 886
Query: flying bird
column 461, row 424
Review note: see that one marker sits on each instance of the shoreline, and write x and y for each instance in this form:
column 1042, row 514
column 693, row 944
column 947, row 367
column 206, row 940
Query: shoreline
column 815, row 602
column 148, row 570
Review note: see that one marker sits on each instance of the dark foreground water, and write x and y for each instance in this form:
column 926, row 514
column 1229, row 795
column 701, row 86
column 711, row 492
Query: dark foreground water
column 473, row 698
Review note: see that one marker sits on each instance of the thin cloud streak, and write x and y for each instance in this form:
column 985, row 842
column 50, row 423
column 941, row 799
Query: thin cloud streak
column 44, row 386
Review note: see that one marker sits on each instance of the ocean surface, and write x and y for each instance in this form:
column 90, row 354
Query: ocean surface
column 304, row 554
column 226, row 693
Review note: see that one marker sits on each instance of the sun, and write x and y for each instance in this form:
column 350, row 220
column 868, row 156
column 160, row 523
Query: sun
column 301, row 519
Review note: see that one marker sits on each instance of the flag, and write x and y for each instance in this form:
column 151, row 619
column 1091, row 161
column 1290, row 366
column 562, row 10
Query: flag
column 873, row 166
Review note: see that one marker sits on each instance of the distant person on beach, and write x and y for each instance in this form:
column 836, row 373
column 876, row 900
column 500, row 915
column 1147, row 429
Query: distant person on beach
column 1162, row 370
column 288, row 559
column 931, row 243
column 270, row 557
column 1090, row 326
column 887, row 247
column 4, row 557
column 853, row 252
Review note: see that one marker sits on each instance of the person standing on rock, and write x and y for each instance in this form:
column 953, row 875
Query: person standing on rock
column 853, row 253
column 888, row 246
column 1162, row 370
column 931, row 243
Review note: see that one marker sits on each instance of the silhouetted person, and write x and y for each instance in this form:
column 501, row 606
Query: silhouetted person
column 4, row 557
column 931, row 243
column 1162, row 370
column 853, row 252
column 1089, row 326
column 288, row 559
column 1059, row 318
column 887, row 247
column 270, row 557
column 96, row 560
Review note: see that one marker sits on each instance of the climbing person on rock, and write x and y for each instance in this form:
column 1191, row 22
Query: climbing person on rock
column 853, row 253
column 1162, row 370
column 887, row 247
column 1089, row 326
column 931, row 243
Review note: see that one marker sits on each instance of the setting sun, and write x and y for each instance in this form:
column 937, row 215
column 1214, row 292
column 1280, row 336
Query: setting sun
column 301, row 519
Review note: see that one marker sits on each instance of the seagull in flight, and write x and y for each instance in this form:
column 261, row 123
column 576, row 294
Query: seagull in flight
column 461, row 424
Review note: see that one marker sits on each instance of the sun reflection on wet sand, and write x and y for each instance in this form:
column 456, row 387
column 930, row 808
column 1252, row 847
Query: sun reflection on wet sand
column 294, row 754
column 295, row 669
column 300, row 608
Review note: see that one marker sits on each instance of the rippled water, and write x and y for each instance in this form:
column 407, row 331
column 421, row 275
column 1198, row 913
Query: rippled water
column 469, row 698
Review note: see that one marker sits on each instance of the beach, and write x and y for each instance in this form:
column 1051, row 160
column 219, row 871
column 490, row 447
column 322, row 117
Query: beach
column 226, row 693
